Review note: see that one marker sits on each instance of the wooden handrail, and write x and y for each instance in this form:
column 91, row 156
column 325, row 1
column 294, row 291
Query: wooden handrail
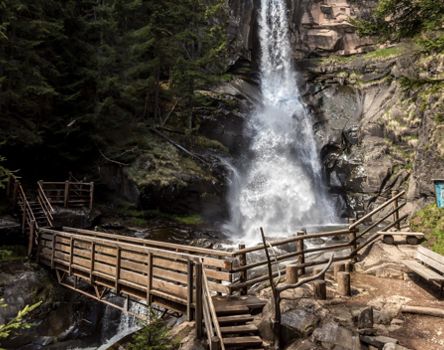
column 260, row 247
column 123, row 245
column 212, row 324
column 69, row 193
column 179, row 247
column 374, row 211
column 48, row 210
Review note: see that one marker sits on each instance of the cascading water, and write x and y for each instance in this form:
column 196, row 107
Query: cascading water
column 282, row 189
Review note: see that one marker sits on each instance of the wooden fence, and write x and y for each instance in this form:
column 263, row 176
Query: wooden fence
column 352, row 240
column 148, row 272
column 69, row 194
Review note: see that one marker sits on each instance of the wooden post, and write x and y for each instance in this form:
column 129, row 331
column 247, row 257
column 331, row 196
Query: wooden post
column 66, row 196
column 71, row 254
column 300, row 249
column 354, row 241
column 318, row 270
column 344, row 286
column 31, row 237
column 190, row 271
column 291, row 273
column 396, row 213
column 215, row 343
column 118, row 254
column 320, row 289
column 24, row 216
column 199, row 301
column 93, row 257
column 53, row 246
column 91, row 195
column 339, row 267
column 243, row 274
column 149, row 285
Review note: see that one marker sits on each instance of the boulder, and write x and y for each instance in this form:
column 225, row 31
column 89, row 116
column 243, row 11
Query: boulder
column 331, row 334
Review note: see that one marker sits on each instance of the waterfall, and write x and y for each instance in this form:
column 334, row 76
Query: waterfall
column 282, row 187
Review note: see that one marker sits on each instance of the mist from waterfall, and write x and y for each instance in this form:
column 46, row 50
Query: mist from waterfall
column 282, row 188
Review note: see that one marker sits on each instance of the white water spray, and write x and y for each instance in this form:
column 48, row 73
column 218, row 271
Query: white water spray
column 282, row 188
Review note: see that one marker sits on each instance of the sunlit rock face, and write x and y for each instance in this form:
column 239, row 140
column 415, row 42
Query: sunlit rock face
column 372, row 135
column 316, row 28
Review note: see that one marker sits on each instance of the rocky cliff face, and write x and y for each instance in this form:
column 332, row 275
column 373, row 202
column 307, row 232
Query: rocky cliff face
column 377, row 111
column 318, row 28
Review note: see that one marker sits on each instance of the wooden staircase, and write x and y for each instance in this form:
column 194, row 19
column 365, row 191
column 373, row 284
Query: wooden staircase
column 235, row 317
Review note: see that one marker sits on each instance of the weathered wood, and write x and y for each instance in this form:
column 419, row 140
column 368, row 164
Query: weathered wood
column 344, row 286
column 422, row 310
column 190, row 285
column 91, row 195
column 199, row 301
column 66, row 195
column 31, row 238
column 300, row 250
column 243, row 274
column 396, row 213
column 339, row 267
column 291, row 273
column 149, row 284
column 354, row 241
column 401, row 233
column 245, row 342
column 423, row 271
column 117, row 269
column 157, row 244
column 215, row 343
column 320, row 290
column 71, row 255
column 92, row 257
column 438, row 258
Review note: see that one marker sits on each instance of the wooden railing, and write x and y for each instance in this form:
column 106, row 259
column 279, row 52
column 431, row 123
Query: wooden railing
column 44, row 202
column 213, row 332
column 69, row 194
column 144, row 272
column 351, row 241
column 185, row 278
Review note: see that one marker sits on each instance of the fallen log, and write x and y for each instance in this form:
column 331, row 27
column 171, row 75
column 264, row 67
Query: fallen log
column 422, row 310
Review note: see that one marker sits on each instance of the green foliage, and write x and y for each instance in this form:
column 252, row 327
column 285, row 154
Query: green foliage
column 430, row 220
column 8, row 253
column 432, row 41
column 154, row 336
column 18, row 322
column 4, row 173
column 397, row 19
column 77, row 75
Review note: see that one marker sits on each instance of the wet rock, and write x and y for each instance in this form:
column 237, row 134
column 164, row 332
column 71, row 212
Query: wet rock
column 79, row 218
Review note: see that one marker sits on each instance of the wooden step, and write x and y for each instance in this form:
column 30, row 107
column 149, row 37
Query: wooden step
column 242, row 329
column 226, row 309
column 234, row 342
column 226, row 320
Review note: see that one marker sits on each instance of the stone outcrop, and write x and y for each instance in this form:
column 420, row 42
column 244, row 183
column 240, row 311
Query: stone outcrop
column 376, row 109
column 377, row 124
column 318, row 28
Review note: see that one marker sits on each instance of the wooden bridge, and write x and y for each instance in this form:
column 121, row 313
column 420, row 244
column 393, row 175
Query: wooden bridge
column 206, row 285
